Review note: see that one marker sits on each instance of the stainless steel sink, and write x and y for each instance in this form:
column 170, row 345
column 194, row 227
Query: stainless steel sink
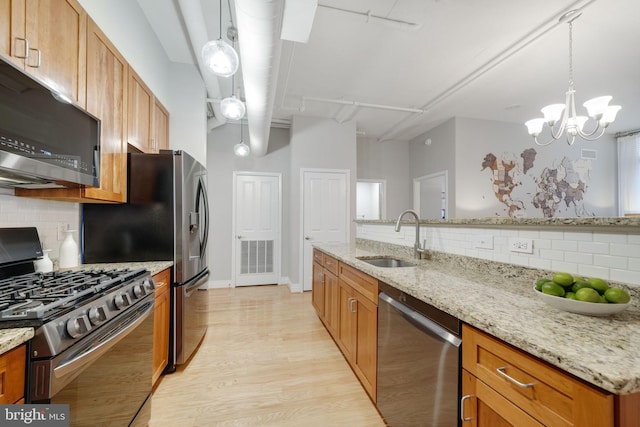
column 386, row 262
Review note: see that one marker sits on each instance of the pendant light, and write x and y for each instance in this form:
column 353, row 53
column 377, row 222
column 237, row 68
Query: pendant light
column 241, row 149
column 220, row 57
column 562, row 118
column 231, row 107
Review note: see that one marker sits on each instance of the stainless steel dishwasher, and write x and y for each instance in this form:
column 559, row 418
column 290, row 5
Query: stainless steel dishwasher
column 419, row 353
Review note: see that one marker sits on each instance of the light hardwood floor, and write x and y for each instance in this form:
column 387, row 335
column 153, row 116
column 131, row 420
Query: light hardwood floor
column 266, row 360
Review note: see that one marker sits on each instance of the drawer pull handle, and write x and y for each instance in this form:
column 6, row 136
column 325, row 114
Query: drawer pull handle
column 502, row 372
column 462, row 417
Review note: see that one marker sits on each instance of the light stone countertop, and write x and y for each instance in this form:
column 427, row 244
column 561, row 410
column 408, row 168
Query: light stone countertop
column 153, row 266
column 11, row 338
column 499, row 299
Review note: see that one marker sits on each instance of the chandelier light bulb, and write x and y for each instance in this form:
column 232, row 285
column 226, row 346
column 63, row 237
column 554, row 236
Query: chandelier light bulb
column 241, row 149
column 220, row 57
column 609, row 115
column 232, row 108
column 552, row 113
column 597, row 106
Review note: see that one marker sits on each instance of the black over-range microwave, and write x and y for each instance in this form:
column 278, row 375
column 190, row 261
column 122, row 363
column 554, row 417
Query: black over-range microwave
column 45, row 141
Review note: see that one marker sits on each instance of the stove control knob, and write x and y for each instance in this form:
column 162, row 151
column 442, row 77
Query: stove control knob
column 139, row 291
column 97, row 315
column 77, row 326
column 121, row 300
column 148, row 285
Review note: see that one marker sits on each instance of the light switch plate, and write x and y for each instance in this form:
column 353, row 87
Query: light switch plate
column 517, row 244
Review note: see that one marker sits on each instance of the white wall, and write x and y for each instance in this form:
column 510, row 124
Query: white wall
column 389, row 161
column 475, row 196
column 222, row 162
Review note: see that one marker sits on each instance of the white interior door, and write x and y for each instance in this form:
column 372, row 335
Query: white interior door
column 257, row 236
column 325, row 213
column 430, row 196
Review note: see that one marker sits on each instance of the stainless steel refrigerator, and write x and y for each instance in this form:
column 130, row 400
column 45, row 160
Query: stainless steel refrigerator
column 166, row 218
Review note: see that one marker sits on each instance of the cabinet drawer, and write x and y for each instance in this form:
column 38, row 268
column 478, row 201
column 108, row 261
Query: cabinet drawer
column 331, row 264
column 12, row 373
column 546, row 393
column 361, row 282
column 317, row 256
column 162, row 280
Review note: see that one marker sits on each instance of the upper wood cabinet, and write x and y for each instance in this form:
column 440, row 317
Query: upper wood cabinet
column 148, row 120
column 47, row 40
column 106, row 94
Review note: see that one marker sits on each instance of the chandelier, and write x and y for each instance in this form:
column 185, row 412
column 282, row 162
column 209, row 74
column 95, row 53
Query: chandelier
column 562, row 118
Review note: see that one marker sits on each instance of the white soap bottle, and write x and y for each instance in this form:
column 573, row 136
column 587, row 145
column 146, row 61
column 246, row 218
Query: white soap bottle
column 44, row 264
column 68, row 251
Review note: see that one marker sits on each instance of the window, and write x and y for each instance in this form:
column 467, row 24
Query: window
column 629, row 175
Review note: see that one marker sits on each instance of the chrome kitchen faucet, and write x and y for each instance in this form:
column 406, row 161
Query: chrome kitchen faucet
column 417, row 249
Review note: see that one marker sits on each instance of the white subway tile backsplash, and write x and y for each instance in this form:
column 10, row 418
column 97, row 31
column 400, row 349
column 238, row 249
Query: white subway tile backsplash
column 594, row 247
column 595, row 271
column 625, row 250
column 610, row 261
column 564, row 245
column 613, row 256
column 582, row 237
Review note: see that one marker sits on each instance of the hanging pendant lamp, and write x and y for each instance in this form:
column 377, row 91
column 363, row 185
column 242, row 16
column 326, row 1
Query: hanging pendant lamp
column 241, row 149
column 219, row 56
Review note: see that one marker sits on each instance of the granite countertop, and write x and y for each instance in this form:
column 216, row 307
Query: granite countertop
column 499, row 299
column 153, row 266
column 11, row 338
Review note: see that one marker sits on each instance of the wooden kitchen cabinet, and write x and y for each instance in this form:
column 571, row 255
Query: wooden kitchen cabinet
column 12, row 375
column 545, row 395
column 346, row 301
column 148, row 120
column 161, row 314
column 325, row 290
column 47, row 40
column 106, row 82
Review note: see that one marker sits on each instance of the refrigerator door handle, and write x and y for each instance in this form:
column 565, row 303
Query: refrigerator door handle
column 202, row 191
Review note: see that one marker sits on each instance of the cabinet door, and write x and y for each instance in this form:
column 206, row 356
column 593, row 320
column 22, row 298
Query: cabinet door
column 347, row 324
column 161, row 323
column 160, row 137
column 140, row 102
column 482, row 406
column 331, row 302
column 317, row 290
column 366, row 343
column 56, row 32
column 12, row 374
column 106, row 99
column 13, row 44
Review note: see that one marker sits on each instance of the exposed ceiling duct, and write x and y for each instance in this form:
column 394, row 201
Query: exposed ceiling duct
column 193, row 16
column 259, row 26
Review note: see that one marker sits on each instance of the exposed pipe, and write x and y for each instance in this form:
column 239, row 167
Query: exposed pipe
column 193, row 17
column 259, row 27
column 363, row 104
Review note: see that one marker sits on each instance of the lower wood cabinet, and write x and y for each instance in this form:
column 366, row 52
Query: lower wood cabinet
column 161, row 314
column 346, row 301
column 504, row 386
column 12, row 375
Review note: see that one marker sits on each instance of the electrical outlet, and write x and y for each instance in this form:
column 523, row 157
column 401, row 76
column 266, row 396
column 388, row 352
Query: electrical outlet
column 521, row 245
column 483, row 242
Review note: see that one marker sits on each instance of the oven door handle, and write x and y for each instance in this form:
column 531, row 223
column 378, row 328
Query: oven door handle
column 94, row 352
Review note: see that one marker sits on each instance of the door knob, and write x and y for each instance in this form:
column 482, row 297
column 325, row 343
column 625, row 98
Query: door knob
column 307, row 238
column 239, row 237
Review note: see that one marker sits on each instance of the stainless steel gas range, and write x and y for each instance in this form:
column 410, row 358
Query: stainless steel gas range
column 93, row 342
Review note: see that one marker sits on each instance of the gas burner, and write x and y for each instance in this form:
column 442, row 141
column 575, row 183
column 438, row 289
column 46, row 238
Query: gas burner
column 43, row 295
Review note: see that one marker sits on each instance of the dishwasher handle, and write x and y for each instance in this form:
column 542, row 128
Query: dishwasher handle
column 421, row 321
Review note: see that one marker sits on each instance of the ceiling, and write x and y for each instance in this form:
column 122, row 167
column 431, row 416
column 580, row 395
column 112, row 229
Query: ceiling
column 492, row 59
